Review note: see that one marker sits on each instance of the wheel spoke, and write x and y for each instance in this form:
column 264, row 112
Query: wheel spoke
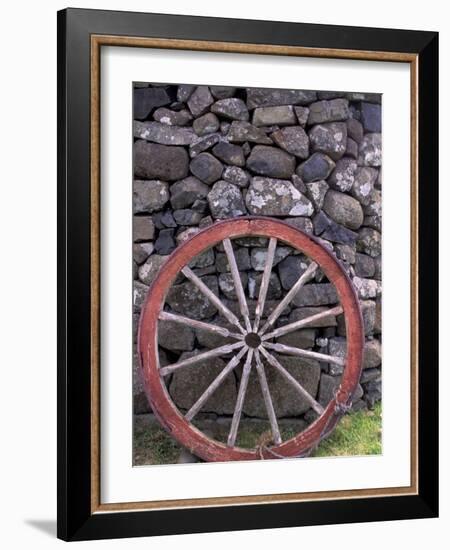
column 215, row 329
column 187, row 272
column 232, row 364
column 265, row 282
column 237, row 282
column 267, row 399
column 302, row 280
column 289, row 378
column 216, row 352
column 240, row 399
column 289, row 350
column 285, row 329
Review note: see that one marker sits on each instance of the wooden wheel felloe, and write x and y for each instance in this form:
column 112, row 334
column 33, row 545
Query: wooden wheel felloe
column 253, row 341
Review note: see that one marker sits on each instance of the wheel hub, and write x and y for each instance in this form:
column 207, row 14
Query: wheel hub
column 252, row 340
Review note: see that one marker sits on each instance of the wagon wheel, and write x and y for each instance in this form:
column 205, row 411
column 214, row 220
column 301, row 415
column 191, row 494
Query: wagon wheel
column 253, row 341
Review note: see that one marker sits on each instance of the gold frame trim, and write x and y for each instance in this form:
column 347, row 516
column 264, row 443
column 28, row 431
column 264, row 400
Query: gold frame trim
column 97, row 41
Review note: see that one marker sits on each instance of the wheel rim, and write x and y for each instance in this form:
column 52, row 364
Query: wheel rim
column 165, row 409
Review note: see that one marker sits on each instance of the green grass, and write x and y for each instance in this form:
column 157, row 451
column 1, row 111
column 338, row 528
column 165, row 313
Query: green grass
column 152, row 445
column 358, row 433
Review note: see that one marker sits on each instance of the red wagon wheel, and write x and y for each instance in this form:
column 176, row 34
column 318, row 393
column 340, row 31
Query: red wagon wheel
column 253, row 341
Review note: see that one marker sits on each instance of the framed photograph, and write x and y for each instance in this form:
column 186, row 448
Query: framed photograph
column 247, row 274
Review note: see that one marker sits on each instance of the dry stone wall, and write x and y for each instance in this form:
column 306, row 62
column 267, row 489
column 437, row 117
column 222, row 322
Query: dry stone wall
column 311, row 158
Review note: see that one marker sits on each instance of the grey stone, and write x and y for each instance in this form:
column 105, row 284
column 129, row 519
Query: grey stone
column 276, row 197
column 302, row 115
column 184, row 393
column 346, row 253
column 212, row 340
column 200, row 100
column 163, row 219
column 204, row 261
column 267, row 116
column 328, row 111
column 143, row 228
column 369, row 242
column 185, row 192
column 377, row 325
column 225, row 201
column 184, row 92
column 352, row 149
column 372, row 354
column 290, row 270
column 163, row 133
column 317, row 167
column 139, row 295
column 363, row 96
column 187, row 299
column 337, row 347
column 229, row 153
column 343, row 209
column 254, row 284
column 186, row 216
column 231, row 108
column 316, row 191
column 186, row 234
column 370, row 150
column 303, row 338
column 149, row 195
column 241, row 132
column 329, row 94
column 266, row 97
column 316, row 295
column 370, row 375
column 364, row 265
column 200, row 205
column 203, row 144
column 165, row 242
column 206, row 124
column 141, row 251
column 259, row 257
column 332, row 231
column 371, row 116
column 366, row 288
column 153, row 161
column 373, row 221
column 242, row 257
column 328, row 387
column 222, row 92
column 355, row 130
column 172, row 118
column 270, row 161
column 329, row 138
column 287, row 401
column 304, row 224
column 270, row 305
column 175, row 336
column 146, row 99
column 226, row 284
column 301, row 313
column 373, row 206
column 378, row 268
column 368, row 313
column 206, row 167
column 236, row 175
column 362, row 189
column 343, row 176
column 149, row 270
column 292, row 139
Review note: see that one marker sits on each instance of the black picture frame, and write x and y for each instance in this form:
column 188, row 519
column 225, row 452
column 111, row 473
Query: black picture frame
column 76, row 520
